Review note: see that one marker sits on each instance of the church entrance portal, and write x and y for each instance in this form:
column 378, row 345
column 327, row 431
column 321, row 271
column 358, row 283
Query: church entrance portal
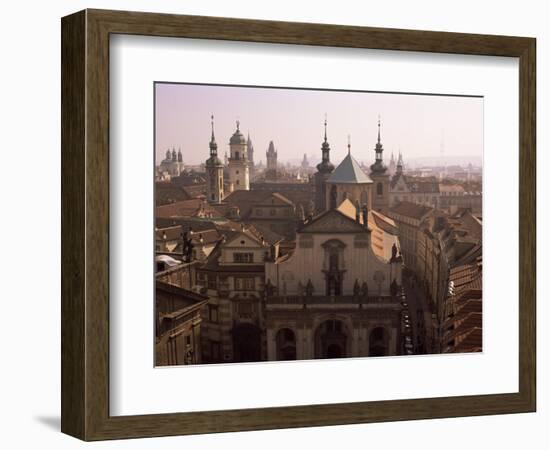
column 331, row 340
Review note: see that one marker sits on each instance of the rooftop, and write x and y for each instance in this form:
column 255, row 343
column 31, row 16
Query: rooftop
column 349, row 171
column 409, row 209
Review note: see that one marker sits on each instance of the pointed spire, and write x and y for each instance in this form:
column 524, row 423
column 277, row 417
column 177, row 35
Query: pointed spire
column 378, row 166
column 349, row 144
column 400, row 162
column 238, row 124
column 213, row 139
column 213, row 144
column 325, row 165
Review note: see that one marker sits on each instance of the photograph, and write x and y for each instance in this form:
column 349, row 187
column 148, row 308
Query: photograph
column 299, row 223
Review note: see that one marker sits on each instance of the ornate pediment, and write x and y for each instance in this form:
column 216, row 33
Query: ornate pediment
column 332, row 222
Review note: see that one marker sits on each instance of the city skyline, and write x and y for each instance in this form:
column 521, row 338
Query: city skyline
column 420, row 126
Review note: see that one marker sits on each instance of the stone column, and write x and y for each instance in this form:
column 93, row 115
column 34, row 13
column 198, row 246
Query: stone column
column 392, row 345
column 307, row 343
column 355, row 342
column 271, row 345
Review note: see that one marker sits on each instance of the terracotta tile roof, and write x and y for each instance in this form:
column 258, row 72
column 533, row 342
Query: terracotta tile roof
column 246, row 200
column 445, row 188
column 260, row 231
column 207, row 236
column 195, row 223
column 195, row 191
column 276, row 199
column 409, row 209
column 167, row 193
column 382, row 228
column 170, row 233
column 187, row 208
column 471, row 340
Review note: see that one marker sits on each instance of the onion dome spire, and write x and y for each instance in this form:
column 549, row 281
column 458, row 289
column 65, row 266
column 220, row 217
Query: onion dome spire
column 325, row 166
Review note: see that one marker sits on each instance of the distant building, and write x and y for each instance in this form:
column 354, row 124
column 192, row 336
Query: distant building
column 392, row 167
column 454, row 197
column 238, row 164
column 250, row 153
column 172, row 164
column 271, row 157
column 305, row 162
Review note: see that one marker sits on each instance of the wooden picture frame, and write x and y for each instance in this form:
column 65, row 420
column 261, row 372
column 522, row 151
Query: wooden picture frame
column 85, row 224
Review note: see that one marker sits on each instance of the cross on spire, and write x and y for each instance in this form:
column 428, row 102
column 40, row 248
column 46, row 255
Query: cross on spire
column 349, row 144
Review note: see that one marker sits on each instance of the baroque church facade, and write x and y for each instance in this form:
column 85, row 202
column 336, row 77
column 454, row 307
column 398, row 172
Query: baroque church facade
column 338, row 294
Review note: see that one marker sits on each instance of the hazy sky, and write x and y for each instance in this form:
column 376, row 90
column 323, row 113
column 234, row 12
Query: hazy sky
column 293, row 119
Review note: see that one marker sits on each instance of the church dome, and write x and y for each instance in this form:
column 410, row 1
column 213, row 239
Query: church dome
column 213, row 161
column 237, row 138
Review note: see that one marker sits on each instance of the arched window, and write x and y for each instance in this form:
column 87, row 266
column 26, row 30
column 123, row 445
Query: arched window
column 379, row 189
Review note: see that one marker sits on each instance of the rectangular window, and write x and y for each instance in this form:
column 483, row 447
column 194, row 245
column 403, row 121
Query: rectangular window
column 243, row 257
column 213, row 313
column 244, row 284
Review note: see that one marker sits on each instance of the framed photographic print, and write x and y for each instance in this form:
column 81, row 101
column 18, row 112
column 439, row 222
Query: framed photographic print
column 270, row 224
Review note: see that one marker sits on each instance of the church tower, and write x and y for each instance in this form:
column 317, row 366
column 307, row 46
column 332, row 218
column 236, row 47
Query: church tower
column 400, row 166
column 380, row 178
column 271, row 156
column 214, row 172
column 324, row 169
column 239, row 175
column 392, row 165
column 250, row 155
